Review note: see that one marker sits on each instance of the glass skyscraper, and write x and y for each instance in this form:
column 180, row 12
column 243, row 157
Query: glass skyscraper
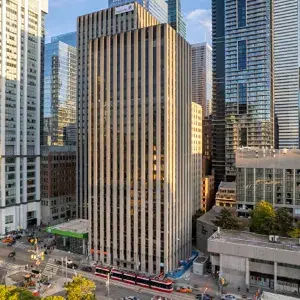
column 158, row 8
column 175, row 17
column 248, row 77
column 60, row 90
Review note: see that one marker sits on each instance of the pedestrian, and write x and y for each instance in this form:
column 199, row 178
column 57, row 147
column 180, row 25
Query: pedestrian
column 247, row 290
column 238, row 288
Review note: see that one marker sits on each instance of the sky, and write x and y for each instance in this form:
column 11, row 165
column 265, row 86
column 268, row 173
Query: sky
column 63, row 14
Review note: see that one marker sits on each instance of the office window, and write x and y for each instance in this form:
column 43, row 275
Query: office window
column 242, row 55
column 9, row 219
column 243, row 137
column 242, row 98
column 241, row 12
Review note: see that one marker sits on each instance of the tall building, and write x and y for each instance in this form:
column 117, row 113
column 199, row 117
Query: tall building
column 21, row 66
column 60, row 89
column 58, row 184
column 138, row 131
column 175, row 16
column 202, row 77
column 270, row 175
column 196, row 172
column 157, row 8
column 218, row 105
column 207, row 145
column 247, row 97
column 286, row 71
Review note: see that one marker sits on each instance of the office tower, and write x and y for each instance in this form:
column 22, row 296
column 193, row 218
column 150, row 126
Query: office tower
column 157, row 8
column 100, row 24
column 176, row 19
column 249, row 107
column 202, row 77
column 58, row 184
column 286, row 71
column 247, row 97
column 139, row 140
column 270, row 175
column 218, row 106
column 21, row 65
column 60, row 89
column 196, row 172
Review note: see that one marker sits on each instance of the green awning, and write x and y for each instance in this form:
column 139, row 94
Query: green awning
column 73, row 234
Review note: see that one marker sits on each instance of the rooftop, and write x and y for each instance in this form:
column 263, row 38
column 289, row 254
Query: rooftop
column 211, row 215
column 76, row 228
column 253, row 239
column 227, row 185
column 268, row 158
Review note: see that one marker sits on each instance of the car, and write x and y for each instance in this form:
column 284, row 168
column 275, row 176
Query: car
column 11, row 243
column 12, row 254
column 86, row 269
column 58, row 262
column 228, row 297
column 184, row 289
column 160, row 298
column 72, row 266
column 203, row 297
column 130, row 298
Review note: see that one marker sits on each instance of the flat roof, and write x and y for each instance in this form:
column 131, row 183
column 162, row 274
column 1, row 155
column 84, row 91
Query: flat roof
column 251, row 157
column 212, row 214
column 253, row 239
column 78, row 228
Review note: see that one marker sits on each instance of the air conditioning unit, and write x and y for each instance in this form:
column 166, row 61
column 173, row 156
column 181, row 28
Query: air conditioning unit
column 276, row 237
column 271, row 238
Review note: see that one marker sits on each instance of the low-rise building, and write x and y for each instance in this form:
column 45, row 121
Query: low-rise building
column 58, row 184
column 208, row 188
column 246, row 259
column 270, row 175
column 226, row 195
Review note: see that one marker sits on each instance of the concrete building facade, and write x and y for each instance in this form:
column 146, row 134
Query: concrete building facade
column 196, row 136
column 139, row 140
column 270, row 175
column 246, row 259
column 21, row 65
column 58, row 184
column 202, row 77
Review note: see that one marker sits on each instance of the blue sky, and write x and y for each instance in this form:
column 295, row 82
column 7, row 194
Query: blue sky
column 63, row 13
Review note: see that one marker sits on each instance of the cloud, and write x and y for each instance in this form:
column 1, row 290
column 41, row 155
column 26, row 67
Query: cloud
column 200, row 18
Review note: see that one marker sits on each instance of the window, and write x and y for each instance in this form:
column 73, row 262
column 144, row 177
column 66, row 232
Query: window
column 242, row 55
column 9, row 219
column 241, row 13
column 243, row 137
column 242, row 98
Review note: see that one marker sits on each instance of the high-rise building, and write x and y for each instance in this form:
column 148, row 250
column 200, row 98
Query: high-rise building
column 60, row 89
column 58, row 184
column 207, row 146
column 158, row 8
column 21, row 66
column 247, row 97
column 270, row 175
column 202, row 77
column 286, row 71
column 137, row 126
column 218, row 105
column 196, row 172
column 175, row 16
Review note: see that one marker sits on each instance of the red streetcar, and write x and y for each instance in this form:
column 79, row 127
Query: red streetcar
column 154, row 283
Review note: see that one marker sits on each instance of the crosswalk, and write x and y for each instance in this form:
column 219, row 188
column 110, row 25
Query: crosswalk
column 8, row 265
column 50, row 269
column 21, row 245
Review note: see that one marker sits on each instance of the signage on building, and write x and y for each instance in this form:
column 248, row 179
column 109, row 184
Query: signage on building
column 124, row 8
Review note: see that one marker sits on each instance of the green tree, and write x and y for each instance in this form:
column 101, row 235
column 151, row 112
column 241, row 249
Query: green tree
column 263, row 218
column 294, row 233
column 80, row 288
column 283, row 222
column 226, row 220
column 14, row 293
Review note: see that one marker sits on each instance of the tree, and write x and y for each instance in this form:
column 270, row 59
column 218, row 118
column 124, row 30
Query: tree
column 263, row 218
column 15, row 293
column 81, row 289
column 294, row 233
column 283, row 222
column 226, row 220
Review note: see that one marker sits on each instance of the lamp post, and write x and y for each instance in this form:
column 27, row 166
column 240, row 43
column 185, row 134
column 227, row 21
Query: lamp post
column 37, row 256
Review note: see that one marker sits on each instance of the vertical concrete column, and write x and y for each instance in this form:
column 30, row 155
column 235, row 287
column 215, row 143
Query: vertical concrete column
column 275, row 276
column 247, row 282
column 221, row 263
